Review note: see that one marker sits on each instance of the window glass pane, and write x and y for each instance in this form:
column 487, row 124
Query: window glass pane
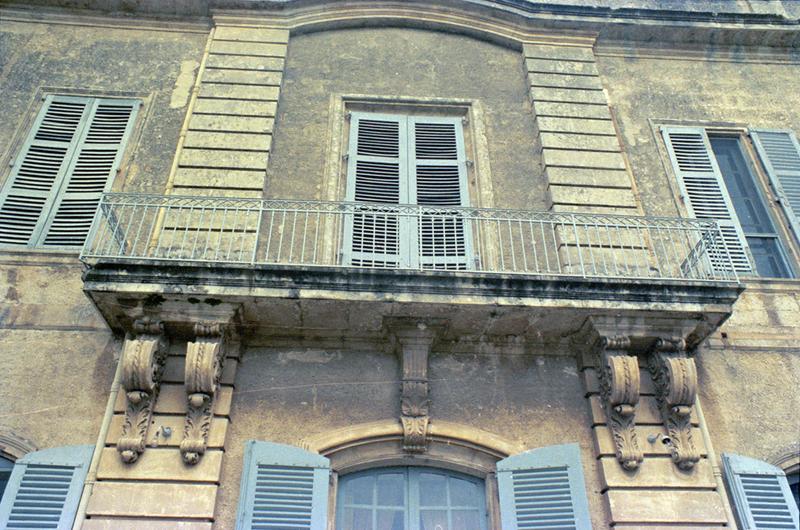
column 352, row 518
column 391, row 520
column 432, row 489
column 391, row 489
column 794, row 485
column 433, row 520
column 359, row 490
column 5, row 472
column 464, row 493
column 465, row 519
column 767, row 254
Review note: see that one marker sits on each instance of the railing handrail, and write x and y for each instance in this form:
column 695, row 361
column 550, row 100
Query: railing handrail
column 313, row 232
column 412, row 209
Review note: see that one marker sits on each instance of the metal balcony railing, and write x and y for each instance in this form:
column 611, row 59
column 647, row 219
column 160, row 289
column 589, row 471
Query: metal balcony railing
column 371, row 235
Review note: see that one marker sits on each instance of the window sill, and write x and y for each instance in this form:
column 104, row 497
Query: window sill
column 39, row 256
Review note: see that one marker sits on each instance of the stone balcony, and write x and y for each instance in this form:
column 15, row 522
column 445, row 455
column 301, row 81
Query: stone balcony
column 333, row 272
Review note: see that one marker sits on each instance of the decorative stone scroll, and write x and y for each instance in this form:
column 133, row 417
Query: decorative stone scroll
column 143, row 358
column 204, row 358
column 675, row 377
column 415, row 345
column 619, row 390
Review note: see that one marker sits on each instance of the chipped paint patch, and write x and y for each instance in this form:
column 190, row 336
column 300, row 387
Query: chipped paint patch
column 183, row 84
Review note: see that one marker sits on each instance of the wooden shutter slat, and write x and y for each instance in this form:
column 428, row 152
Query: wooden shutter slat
column 45, row 487
column 543, row 488
column 90, row 172
column 283, row 487
column 760, row 493
column 702, row 185
column 779, row 151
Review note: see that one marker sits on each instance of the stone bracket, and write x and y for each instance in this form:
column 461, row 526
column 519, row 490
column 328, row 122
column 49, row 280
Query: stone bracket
column 675, row 378
column 619, row 391
column 143, row 357
column 414, row 339
column 204, row 358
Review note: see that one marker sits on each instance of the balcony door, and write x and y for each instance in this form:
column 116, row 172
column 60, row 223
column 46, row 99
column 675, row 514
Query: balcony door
column 408, row 178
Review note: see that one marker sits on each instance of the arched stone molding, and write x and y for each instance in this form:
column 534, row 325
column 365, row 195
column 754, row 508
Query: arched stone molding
column 788, row 461
column 380, row 444
column 13, row 446
column 479, row 22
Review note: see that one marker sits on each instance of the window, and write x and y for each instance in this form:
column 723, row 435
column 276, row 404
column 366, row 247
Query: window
column 68, row 160
column 399, row 160
column 5, row 472
column 718, row 180
column 794, row 485
column 411, row 498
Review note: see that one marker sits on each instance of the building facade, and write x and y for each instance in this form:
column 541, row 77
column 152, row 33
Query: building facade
column 400, row 265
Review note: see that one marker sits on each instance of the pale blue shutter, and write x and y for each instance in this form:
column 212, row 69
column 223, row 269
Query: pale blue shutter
column 760, row 494
column 542, row 489
column 283, row 487
column 438, row 180
column 45, row 487
column 39, row 169
column 90, row 172
column 377, row 174
column 702, row 185
column 780, row 153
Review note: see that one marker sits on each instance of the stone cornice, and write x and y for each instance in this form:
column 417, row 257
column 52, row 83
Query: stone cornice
column 508, row 21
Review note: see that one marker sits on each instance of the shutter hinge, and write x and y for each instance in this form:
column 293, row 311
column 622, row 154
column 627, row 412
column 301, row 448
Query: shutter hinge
column 469, row 163
column 465, row 120
column 346, row 157
column 348, row 115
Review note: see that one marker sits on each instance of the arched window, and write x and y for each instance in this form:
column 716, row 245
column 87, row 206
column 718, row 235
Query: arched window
column 410, row 498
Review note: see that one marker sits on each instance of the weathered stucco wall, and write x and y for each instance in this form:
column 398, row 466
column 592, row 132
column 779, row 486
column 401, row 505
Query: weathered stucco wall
column 750, row 370
column 403, row 63
column 290, row 395
column 57, row 352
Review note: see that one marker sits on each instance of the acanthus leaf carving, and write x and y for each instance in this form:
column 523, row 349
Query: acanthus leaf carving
column 204, row 358
column 675, row 378
column 143, row 357
column 619, row 390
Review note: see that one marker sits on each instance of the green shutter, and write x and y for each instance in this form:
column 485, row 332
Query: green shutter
column 39, row 169
column 702, row 185
column 283, row 487
column 543, row 488
column 45, row 487
column 376, row 174
column 69, row 159
column 438, row 180
column 780, row 153
column 760, row 494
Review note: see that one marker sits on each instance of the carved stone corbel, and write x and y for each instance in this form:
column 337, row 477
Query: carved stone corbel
column 675, row 377
column 143, row 358
column 415, row 345
column 204, row 358
column 619, row 390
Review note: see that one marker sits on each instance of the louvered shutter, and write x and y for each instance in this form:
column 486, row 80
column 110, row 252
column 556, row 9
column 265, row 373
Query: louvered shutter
column 91, row 171
column 283, row 487
column 702, row 185
column 39, row 170
column 45, row 488
column 760, row 494
column 376, row 174
column 780, row 153
column 438, row 180
column 542, row 489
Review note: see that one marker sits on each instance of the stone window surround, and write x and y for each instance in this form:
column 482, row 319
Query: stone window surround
column 479, row 175
column 741, row 131
column 13, row 446
column 451, row 446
